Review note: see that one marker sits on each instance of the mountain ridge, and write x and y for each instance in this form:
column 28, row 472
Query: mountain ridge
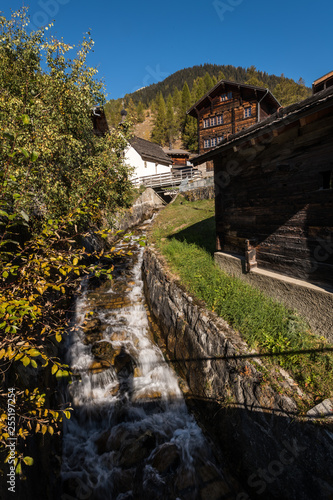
column 161, row 107
column 178, row 78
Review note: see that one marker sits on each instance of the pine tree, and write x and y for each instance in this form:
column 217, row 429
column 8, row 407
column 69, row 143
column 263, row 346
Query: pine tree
column 253, row 77
column 170, row 120
column 288, row 92
column 177, row 106
column 198, row 89
column 159, row 132
column 131, row 111
column 176, row 98
column 190, row 135
column 140, row 112
column 186, row 98
column 208, row 82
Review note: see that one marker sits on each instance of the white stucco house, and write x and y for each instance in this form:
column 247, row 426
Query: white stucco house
column 147, row 158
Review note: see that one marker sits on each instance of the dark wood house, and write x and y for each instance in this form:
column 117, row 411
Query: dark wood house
column 228, row 108
column 179, row 157
column 274, row 191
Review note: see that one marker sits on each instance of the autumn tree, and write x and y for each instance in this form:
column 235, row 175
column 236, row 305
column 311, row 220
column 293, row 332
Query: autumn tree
column 57, row 181
column 289, row 92
column 253, row 78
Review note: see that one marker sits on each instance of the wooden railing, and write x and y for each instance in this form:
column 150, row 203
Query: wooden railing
column 168, row 179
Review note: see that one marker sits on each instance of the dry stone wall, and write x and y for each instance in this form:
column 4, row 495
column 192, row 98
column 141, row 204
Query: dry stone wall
column 250, row 413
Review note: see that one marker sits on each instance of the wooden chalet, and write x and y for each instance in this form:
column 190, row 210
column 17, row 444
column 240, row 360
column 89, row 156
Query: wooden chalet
column 274, row 191
column 179, row 157
column 228, row 108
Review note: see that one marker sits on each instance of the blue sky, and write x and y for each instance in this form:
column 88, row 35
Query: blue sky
column 140, row 43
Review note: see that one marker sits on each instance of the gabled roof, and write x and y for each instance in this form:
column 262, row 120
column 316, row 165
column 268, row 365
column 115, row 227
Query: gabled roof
column 282, row 118
column 225, row 85
column 176, row 152
column 149, row 151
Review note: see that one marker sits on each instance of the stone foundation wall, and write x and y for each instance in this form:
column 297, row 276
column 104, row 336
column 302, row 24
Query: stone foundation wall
column 201, row 193
column 143, row 208
column 269, row 449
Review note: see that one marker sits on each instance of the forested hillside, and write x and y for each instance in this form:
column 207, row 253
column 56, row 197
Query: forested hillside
column 167, row 101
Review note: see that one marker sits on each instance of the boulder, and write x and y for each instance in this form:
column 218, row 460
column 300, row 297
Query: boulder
column 93, row 330
column 136, row 450
column 99, row 366
column 166, row 458
column 103, row 350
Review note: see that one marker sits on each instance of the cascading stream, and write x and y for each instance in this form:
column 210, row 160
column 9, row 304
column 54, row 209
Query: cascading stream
column 131, row 436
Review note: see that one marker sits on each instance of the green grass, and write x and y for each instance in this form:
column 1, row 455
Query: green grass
column 184, row 232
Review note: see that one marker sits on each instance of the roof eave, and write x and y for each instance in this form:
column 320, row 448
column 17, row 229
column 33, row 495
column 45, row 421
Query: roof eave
column 192, row 110
column 155, row 159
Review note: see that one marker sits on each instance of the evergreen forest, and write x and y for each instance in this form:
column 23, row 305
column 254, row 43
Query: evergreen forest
column 166, row 102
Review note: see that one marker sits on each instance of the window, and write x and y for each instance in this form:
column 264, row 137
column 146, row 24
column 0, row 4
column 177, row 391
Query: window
column 212, row 121
column 207, row 143
column 219, row 119
column 247, row 112
column 206, row 122
column 226, row 97
column 213, row 142
column 145, row 164
column 220, row 139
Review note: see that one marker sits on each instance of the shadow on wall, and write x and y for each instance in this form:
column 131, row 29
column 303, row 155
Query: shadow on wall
column 274, row 457
column 273, row 454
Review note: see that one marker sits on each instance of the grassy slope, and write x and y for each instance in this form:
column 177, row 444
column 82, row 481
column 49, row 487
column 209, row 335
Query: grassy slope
column 184, row 232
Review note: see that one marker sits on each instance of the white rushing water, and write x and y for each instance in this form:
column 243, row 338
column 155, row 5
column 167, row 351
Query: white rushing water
column 130, row 434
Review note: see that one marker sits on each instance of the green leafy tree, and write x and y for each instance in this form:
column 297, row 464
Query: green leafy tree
column 57, row 180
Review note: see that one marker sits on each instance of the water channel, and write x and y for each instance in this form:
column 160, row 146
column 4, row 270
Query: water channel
column 131, row 435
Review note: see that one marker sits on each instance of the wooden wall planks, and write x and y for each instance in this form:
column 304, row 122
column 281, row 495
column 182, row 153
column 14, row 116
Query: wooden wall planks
column 278, row 199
